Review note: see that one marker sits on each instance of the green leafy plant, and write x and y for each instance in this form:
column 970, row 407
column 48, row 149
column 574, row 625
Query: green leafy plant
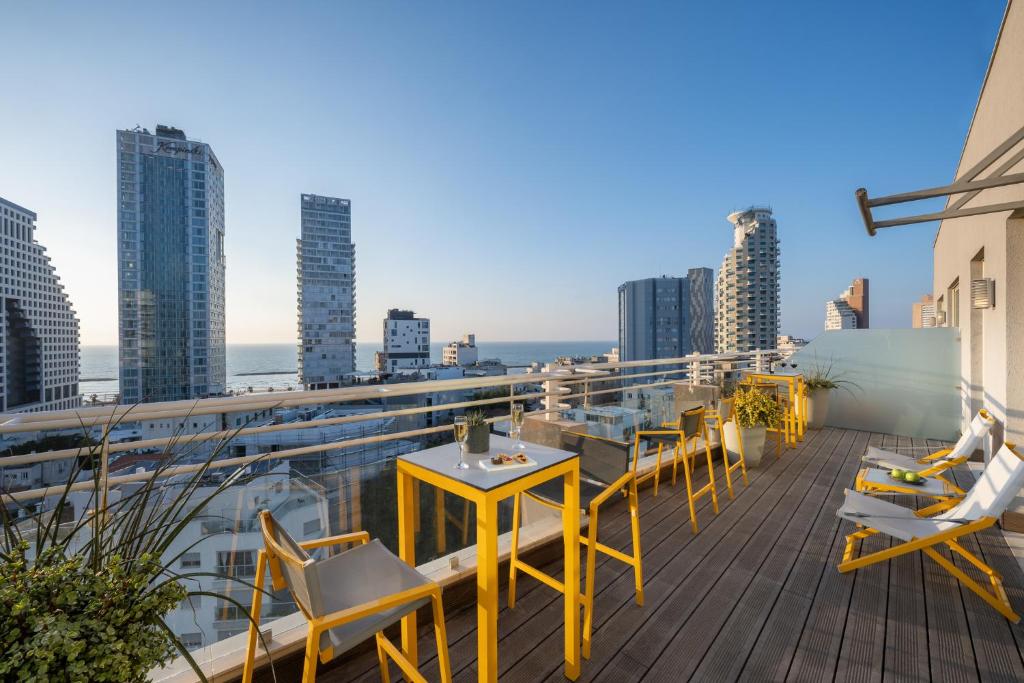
column 475, row 418
column 84, row 592
column 821, row 377
column 756, row 409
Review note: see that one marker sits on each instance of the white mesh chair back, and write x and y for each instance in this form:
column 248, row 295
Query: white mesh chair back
column 971, row 439
column 1000, row 481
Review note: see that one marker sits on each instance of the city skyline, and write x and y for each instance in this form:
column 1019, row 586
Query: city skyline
column 432, row 167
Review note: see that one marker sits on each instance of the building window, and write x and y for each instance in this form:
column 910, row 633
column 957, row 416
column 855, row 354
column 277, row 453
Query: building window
column 236, row 563
column 190, row 561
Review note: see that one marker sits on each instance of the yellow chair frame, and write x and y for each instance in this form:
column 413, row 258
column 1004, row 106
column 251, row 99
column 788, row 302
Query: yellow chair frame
column 683, row 441
column 627, row 484
column 995, row 596
column 741, row 464
column 271, row 557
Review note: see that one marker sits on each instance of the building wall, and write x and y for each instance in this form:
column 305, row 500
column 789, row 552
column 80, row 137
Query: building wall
column 839, row 315
column 170, row 227
column 990, row 245
column 38, row 326
column 654, row 318
column 406, row 342
column 702, row 309
column 858, row 297
column 326, row 296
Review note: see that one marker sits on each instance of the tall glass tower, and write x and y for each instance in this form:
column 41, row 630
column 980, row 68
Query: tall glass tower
column 170, row 248
column 326, row 263
column 665, row 317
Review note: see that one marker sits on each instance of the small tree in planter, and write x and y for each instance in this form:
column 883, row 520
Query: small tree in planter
column 819, row 384
column 755, row 412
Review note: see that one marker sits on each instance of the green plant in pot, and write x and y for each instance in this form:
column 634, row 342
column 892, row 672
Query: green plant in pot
column 479, row 440
column 756, row 411
column 819, row 383
column 85, row 590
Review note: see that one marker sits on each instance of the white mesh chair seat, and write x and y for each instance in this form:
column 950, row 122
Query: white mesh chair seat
column 357, row 576
column 889, row 518
column 968, row 442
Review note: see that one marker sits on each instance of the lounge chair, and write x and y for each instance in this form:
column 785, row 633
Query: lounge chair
column 924, row 530
column 347, row 598
column 932, row 465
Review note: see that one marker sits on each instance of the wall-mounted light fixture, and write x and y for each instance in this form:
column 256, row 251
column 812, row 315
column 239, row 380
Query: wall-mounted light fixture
column 983, row 293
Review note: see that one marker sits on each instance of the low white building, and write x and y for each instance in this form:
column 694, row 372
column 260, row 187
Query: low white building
column 839, row 315
column 462, row 352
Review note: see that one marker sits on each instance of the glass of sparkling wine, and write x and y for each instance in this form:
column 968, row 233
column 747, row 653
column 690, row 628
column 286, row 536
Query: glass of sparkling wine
column 517, row 425
column 461, row 436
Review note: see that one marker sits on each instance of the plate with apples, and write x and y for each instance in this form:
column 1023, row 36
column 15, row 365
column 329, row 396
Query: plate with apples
column 907, row 477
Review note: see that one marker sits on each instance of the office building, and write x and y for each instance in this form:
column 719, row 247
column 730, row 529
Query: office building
column 923, row 312
column 747, row 306
column 657, row 315
column 39, row 340
column 326, row 297
column 170, row 248
column 857, row 297
column 406, row 342
column 462, row 352
column 702, row 310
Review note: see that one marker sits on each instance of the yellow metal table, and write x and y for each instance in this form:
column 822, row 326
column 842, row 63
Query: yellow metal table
column 436, row 466
column 796, row 410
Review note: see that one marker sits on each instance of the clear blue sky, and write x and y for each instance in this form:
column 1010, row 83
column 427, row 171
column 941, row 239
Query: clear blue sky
column 510, row 164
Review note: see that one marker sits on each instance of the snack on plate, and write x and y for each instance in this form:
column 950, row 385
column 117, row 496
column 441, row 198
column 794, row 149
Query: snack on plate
column 521, row 457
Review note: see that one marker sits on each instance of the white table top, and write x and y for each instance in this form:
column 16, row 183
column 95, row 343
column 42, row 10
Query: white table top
column 442, row 460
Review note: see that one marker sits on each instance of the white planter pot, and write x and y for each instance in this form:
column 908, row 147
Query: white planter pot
column 817, row 407
column 753, row 443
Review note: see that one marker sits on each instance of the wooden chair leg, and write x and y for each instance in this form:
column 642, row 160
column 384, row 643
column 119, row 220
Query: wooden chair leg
column 711, row 475
column 440, row 633
column 514, row 552
column 689, row 498
column 309, row 665
column 588, row 583
column 382, row 659
column 638, row 573
column 657, row 471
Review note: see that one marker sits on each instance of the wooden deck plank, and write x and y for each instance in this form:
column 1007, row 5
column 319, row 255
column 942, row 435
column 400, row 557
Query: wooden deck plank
column 708, row 652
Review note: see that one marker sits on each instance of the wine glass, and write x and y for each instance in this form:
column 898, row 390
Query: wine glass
column 461, row 436
column 517, row 425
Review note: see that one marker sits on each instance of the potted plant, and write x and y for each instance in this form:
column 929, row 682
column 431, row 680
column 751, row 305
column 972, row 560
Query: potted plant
column 819, row 384
column 755, row 412
column 479, row 440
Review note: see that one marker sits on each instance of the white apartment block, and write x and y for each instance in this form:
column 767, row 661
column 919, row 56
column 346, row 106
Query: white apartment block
column 839, row 315
column 406, row 342
column 39, row 340
column 326, row 297
column 462, row 352
column 747, row 287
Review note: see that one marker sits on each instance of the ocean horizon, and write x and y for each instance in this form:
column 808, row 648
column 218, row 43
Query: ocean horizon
column 262, row 366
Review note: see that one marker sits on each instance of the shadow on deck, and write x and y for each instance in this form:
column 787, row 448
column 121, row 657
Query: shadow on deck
column 754, row 596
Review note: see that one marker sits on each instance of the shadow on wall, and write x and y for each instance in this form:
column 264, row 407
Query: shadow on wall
column 903, row 382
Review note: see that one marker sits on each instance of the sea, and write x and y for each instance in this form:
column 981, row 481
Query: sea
column 265, row 366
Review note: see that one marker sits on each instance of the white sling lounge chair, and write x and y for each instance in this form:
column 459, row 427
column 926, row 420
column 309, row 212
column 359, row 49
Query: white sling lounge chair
column 935, row 463
column 919, row 530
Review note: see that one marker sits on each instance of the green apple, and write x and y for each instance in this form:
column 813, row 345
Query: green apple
column 911, row 477
column 896, row 473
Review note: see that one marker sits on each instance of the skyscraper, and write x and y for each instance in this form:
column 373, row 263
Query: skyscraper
column 327, row 283
column 857, row 296
column 406, row 342
column 170, row 247
column 39, row 339
column 665, row 317
column 747, row 309
column 849, row 311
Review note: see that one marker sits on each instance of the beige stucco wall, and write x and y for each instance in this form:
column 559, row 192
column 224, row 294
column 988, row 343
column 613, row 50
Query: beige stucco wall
column 999, row 114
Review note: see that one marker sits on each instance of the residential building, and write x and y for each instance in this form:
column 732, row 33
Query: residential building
column 462, row 352
column 39, row 340
column 170, row 248
column 923, row 312
column 326, row 298
column 702, row 310
column 857, row 297
column 839, row 315
column 747, row 306
column 406, row 342
column 788, row 345
column 657, row 316
column 978, row 282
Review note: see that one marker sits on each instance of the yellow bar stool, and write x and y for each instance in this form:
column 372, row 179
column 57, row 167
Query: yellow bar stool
column 718, row 419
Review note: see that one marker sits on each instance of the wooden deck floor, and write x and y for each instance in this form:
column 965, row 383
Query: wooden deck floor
column 754, row 596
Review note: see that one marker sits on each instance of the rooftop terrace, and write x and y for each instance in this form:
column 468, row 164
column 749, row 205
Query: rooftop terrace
column 754, row 596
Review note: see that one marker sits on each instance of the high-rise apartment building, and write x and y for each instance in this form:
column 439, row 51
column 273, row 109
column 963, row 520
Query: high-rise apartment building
column 38, row 327
column 849, row 311
column 170, row 248
column 406, row 342
column 665, row 317
column 747, row 306
column 839, row 315
column 326, row 302
column 923, row 312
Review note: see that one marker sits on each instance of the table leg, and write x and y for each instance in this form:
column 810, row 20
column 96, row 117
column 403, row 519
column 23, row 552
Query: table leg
column 407, row 551
column 571, row 534
column 487, row 589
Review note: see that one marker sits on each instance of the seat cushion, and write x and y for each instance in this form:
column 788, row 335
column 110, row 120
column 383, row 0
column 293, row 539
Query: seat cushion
column 554, row 491
column 359, row 575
